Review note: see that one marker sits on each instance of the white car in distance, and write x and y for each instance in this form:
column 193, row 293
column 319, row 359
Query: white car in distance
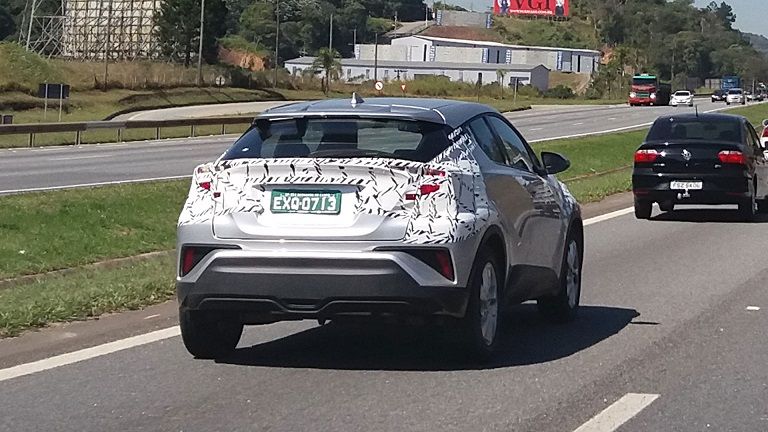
column 682, row 97
column 735, row 95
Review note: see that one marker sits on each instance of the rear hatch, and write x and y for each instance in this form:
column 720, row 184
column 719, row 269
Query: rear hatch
column 692, row 145
column 691, row 157
column 337, row 179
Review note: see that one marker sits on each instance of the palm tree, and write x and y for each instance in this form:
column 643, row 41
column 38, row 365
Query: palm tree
column 500, row 74
column 327, row 61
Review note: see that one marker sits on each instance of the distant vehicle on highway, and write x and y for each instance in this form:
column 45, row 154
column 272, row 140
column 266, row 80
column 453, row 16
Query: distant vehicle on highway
column 385, row 208
column 648, row 90
column 682, row 97
column 735, row 96
column 700, row 159
column 718, row 96
column 754, row 97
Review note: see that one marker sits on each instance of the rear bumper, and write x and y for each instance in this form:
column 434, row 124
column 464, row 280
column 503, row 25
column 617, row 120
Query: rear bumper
column 719, row 189
column 269, row 286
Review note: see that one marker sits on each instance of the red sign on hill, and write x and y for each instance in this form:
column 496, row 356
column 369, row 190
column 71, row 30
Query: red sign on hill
column 558, row 8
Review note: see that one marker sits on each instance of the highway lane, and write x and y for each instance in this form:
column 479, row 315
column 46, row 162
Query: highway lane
column 664, row 314
column 31, row 169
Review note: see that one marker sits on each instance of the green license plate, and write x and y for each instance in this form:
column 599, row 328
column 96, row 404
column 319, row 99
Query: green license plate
column 314, row 202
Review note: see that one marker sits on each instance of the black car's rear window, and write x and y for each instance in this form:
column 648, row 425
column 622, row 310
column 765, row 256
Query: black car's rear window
column 712, row 130
column 341, row 137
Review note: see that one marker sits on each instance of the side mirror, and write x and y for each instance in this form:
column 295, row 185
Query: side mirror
column 554, row 162
column 765, row 123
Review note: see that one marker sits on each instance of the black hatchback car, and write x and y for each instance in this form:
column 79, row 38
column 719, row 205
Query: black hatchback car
column 700, row 159
column 718, row 96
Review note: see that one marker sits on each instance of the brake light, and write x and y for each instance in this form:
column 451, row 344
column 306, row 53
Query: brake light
column 205, row 185
column 732, row 157
column 646, row 156
column 765, row 133
column 434, row 172
column 428, row 188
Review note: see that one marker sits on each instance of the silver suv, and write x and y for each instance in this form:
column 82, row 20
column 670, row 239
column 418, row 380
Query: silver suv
column 385, row 208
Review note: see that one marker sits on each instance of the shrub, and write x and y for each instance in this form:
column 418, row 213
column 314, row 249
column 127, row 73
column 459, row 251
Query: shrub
column 560, row 92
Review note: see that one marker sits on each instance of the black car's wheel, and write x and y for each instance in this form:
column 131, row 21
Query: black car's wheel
column 207, row 337
column 667, row 206
column 748, row 209
column 480, row 325
column 563, row 306
column 643, row 209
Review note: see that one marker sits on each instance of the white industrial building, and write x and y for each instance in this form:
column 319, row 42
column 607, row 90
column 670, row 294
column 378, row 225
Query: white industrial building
column 358, row 70
column 437, row 49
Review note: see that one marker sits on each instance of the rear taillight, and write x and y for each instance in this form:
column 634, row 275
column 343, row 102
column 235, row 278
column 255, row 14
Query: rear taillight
column 205, row 185
column 732, row 157
column 424, row 189
column 765, row 133
column 646, row 156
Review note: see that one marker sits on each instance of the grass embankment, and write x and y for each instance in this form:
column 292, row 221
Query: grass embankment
column 46, row 231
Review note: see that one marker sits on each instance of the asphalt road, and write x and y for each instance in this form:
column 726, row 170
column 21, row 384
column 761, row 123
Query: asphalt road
column 54, row 167
column 665, row 319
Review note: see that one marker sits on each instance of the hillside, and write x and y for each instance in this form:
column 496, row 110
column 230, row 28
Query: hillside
column 20, row 69
column 574, row 33
column 759, row 42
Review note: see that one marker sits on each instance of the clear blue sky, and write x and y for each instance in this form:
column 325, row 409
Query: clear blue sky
column 750, row 14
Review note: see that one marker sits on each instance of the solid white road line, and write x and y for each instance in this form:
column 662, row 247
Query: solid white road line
column 48, row 188
column 610, row 215
column 122, row 344
column 87, row 353
column 79, row 157
column 618, row 413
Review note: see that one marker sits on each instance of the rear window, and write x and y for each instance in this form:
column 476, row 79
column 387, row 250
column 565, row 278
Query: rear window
column 341, row 137
column 734, row 92
column 682, row 93
column 717, row 130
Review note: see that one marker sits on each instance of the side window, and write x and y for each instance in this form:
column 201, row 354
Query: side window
column 755, row 138
column 486, row 140
column 517, row 153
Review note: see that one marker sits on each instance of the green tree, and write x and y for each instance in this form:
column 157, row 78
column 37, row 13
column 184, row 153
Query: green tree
column 7, row 23
column 178, row 29
column 327, row 61
column 500, row 74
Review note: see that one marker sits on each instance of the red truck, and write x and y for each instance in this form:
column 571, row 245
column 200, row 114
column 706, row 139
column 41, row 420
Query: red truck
column 647, row 90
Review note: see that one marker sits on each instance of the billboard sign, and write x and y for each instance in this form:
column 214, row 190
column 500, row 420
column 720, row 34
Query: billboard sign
column 555, row 8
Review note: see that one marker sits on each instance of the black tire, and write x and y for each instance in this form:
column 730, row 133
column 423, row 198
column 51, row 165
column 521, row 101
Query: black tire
column 206, row 336
column 667, row 206
column 476, row 345
column 560, row 308
column 747, row 209
column 643, row 209
column 727, row 103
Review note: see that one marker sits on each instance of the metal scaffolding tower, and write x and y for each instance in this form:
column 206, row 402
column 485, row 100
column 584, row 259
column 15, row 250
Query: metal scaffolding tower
column 92, row 29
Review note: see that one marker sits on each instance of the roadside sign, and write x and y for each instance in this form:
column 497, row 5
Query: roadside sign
column 402, row 87
column 379, row 86
column 220, row 80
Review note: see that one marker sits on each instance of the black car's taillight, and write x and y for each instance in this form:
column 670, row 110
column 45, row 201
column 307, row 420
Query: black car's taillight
column 732, row 157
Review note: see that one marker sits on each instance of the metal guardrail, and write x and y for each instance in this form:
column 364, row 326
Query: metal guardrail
column 78, row 128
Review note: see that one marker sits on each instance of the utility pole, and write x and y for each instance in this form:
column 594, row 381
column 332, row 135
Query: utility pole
column 376, row 57
column 354, row 38
column 107, row 47
column 200, row 45
column 330, row 34
column 277, row 40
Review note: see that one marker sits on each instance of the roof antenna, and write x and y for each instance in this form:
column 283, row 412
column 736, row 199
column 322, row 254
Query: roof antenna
column 356, row 99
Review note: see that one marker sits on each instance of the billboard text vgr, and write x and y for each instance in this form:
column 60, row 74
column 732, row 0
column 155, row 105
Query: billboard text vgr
column 557, row 8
